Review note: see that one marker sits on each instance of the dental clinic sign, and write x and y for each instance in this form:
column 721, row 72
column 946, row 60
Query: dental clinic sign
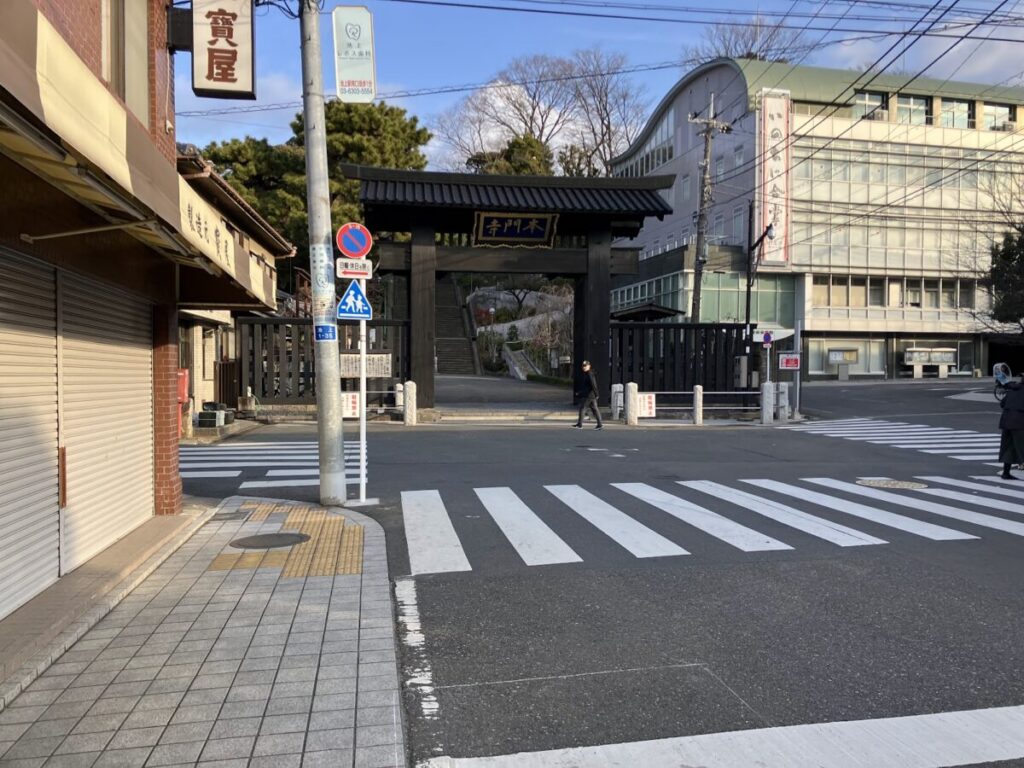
column 223, row 64
column 354, row 68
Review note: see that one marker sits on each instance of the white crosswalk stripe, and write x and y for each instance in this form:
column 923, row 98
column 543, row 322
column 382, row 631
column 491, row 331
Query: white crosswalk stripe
column 289, row 464
column 436, row 544
column 960, row 444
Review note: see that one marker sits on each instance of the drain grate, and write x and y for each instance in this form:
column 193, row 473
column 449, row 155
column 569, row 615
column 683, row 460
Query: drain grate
column 906, row 485
column 269, row 541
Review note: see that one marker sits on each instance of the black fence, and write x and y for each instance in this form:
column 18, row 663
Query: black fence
column 673, row 357
column 276, row 358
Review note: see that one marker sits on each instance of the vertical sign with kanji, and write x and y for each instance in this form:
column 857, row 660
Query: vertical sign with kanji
column 773, row 150
column 354, row 67
column 223, row 62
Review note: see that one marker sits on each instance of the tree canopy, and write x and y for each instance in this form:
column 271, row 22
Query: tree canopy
column 760, row 39
column 522, row 156
column 1007, row 284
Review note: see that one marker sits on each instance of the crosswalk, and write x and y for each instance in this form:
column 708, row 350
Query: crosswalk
column 961, row 444
column 261, row 465
column 541, row 525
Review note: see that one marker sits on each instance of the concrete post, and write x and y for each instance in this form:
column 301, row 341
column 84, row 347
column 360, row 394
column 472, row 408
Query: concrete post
column 400, row 397
column 782, row 405
column 632, row 404
column 410, row 404
column 698, row 405
column 618, row 393
column 767, row 402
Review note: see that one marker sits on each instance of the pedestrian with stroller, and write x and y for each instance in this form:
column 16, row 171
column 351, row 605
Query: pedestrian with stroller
column 589, row 395
column 1011, row 443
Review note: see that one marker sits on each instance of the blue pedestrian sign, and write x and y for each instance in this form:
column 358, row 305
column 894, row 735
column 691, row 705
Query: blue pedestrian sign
column 353, row 304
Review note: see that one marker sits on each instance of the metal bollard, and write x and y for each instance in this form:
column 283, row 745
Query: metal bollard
column 767, row 402
column 698, row 405
column 618, row 393
column 410, row 404
column 632, row 404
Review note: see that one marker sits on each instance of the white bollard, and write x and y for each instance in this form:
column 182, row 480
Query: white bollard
column 698, row 405
column 767, row 402
column 410, row 404
column 782, row 403
column 632, row 404
column 618, row 392
column 400, row 396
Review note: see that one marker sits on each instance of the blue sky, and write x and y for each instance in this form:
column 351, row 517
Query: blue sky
column 429, row 46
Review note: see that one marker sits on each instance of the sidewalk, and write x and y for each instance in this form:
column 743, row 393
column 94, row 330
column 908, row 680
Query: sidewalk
column 227, row 657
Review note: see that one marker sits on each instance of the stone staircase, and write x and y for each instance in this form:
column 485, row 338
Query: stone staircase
column 454, row 348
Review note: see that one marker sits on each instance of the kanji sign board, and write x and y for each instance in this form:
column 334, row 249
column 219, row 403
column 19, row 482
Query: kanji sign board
column 648, row 408
column 354, row 269
column 354, row 68
column 789, row 361
column 223, row 43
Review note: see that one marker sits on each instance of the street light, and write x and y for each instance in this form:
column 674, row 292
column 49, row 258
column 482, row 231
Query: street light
column 769, row 232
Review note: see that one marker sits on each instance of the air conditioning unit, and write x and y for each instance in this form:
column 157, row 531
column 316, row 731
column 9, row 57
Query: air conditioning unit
column 878, row 114
column 1008, row 126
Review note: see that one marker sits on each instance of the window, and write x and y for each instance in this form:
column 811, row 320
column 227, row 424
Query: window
column 866, row 103
column 719, row 230
column 125, row 53
column 947, row 298
column 966, row 294
column 858, row 292
column 895, row 293
column 931, row 294
column 876, row 292
column 819, row 291
column 957, row 114
column 719, row 168
column 997, row 115
column 737, row 225
column 913, row 293
column 840, row 292
column 737, row 157
column 915, row 110
column 686, row 187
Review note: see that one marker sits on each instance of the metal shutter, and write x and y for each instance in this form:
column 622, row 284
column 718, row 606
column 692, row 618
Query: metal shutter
column 107, row 415
column 29, row 484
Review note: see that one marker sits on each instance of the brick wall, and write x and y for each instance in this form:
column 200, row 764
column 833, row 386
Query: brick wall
column 79, row 23
column 165, row 410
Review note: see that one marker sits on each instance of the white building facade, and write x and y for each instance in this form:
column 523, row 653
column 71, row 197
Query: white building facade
column 885, row 198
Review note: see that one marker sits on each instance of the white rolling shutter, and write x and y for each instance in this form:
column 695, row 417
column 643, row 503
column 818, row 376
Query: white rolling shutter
column 107, row 408
column 29, row 483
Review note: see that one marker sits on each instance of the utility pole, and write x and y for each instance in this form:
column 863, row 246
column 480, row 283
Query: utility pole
column 321, row 263
column 752, row 248
column 711, row 126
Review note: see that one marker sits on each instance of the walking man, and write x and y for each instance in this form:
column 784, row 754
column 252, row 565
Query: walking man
column 1011, row 423
column 589, row 394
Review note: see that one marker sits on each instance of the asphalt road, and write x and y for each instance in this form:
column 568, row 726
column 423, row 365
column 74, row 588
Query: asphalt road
column 616, row 648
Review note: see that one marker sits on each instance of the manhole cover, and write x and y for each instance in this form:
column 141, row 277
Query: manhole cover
column 907, row 485
column 269, row 541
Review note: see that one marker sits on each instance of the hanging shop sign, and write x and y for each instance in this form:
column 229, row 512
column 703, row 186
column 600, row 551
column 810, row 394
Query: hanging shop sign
column 223, row 45
column 354, row 66
column 515, row 230
column 773, row 149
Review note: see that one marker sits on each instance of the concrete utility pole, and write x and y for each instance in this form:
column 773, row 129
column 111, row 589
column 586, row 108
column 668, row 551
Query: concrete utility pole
column 321, row 263
column 711, row 125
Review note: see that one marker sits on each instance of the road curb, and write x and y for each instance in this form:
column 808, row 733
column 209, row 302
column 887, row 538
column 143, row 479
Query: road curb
column 38, row 663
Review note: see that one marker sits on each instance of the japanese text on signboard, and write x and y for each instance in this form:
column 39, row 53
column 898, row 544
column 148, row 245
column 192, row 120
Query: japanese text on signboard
column 517, row 230
column 354, row 68
column 222, row 49
column 774, row 149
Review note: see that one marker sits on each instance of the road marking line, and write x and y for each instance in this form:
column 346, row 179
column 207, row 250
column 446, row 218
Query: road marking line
column 533, row 540
column 241, row 464
column 832, row 422
column 962, row 450
column 635, row 537
column 880, row 516
column 999, row 480
column 794, row 518
column 962, row 457
column 946, row 493
column 296, row 483
column 955, row 513
column 917, row 741
column 433, row 545
column 956, row 483
column 712, row 523
column 302, row 472
column 198, row 475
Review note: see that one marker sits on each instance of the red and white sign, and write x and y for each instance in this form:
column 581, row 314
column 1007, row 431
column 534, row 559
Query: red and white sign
column 354, row 269
column 354, row 240
column 350, row 405
column 648, row 407
column 789, row 361
column 223, row 64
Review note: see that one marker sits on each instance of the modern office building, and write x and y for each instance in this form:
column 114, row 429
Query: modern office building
column 885, row 195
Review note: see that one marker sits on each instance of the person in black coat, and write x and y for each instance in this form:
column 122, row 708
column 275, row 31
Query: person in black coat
column 1011, row 444
column 589, row 395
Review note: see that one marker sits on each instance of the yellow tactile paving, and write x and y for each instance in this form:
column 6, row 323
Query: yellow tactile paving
column 335, row 546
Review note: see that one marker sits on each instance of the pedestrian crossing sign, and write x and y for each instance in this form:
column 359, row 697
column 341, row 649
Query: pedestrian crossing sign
column 353, row 304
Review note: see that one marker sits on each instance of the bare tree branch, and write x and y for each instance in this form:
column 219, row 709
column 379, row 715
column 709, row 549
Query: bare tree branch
column 760, row 39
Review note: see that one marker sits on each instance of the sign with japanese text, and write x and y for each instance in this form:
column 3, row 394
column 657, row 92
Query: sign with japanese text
column 352, row 269
column 350, row 405
column 355, row 72
column 223, row 60
column 789, row 361
column 378, row 366
column 773, row 149
column 515, row 230
column 648, row 407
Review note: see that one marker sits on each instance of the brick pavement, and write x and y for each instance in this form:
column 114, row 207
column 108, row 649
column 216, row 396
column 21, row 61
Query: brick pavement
column 227, row 657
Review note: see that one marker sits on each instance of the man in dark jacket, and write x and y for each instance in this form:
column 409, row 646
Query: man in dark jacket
column 1011, row 444
column 589, row 395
